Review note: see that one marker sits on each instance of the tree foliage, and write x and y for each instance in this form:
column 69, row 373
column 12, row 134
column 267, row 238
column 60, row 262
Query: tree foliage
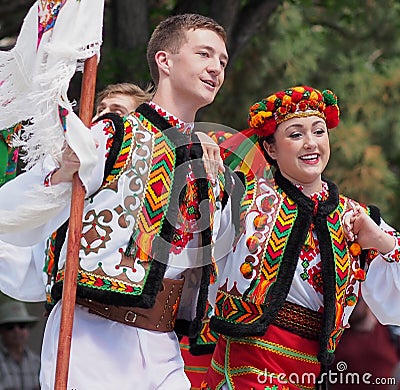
column 349, row 46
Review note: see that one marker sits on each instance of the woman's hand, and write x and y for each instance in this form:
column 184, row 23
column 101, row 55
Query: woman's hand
column 360, row 227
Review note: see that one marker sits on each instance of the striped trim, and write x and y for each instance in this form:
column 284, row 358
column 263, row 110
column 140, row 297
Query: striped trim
column 279, row 349
column 123, row 158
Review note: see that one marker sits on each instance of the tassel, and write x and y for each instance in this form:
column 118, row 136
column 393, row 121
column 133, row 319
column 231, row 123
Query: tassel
column 259, row 292
column 309, row 243
column 144, row 244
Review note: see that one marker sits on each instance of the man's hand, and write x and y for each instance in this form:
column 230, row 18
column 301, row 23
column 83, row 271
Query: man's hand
column 68, row 167
column 211, row 156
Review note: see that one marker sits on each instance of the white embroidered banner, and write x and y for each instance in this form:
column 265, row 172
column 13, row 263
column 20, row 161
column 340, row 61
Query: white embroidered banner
column 55, row 39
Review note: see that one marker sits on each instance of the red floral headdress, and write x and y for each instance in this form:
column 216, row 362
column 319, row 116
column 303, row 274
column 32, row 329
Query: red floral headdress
column 267, row 114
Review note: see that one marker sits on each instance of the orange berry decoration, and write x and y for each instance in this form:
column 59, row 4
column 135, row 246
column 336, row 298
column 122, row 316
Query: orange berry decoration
column 266, row 204
column 355, row 249
column 253, row 243
column 351, row 300
column 359, row 274
column 246, row 269
column 260, row 221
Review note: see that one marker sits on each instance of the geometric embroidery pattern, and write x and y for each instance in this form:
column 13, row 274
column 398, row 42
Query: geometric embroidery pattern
column 206, row 335
column 342, row 268
column 123, row 156
column 340, row 251
column 233, row 309
column 249, row 195
column 159, row 182
column 158, row 186
column 88, row 279
column 274, row 250
column 277, row 242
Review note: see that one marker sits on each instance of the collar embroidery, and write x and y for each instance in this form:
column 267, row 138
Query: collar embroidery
column 182, row 127
column 318, row 196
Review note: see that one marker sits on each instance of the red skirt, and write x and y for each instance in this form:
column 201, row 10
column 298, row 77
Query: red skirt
column 278, row 360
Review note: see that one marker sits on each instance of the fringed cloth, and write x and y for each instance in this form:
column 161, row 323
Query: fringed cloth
column 55, row 40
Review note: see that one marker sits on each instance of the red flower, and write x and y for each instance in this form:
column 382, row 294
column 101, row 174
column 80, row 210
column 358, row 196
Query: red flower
column 296, row 96
column 282, row 110
column 303, row 105
column 267, row 129
column 313, row 104
column 395, row 256
column 270, row 106
column 292, row 107
column 332, row 116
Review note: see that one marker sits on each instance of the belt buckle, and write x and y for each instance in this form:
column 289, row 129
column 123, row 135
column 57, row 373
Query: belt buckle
column 128, row 317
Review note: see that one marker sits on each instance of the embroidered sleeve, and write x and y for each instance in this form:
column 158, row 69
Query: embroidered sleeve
column 394, row 255
column 47, row 179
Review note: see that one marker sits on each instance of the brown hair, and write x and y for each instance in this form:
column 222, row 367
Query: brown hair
column 270, row 139
column 140, row 95
column 170, row 35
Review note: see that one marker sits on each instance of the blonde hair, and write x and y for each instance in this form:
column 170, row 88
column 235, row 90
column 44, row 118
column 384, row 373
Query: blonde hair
column 129, row 89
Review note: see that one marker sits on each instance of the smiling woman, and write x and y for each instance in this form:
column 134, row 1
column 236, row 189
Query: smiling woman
column 295, row 273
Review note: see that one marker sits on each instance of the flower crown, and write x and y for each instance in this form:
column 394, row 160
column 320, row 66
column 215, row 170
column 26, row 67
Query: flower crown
column 267, row 114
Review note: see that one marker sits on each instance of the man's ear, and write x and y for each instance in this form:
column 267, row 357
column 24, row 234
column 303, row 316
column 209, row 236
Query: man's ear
column 270, row 149
column 163, row 61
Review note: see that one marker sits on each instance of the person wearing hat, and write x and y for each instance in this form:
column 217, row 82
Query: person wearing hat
column 295, row 273
column 19, row 366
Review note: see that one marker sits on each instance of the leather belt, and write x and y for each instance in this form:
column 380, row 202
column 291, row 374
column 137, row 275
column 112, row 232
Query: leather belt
column 161, row 317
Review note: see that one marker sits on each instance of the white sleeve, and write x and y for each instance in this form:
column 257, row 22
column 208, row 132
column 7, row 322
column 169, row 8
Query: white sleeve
column 381, row 288
column 31, row 211
column 21, row 275
column 26, row 206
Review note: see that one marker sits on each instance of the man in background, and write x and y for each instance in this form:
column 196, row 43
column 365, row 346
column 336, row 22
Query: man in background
column 19, row 366
column 121, row 99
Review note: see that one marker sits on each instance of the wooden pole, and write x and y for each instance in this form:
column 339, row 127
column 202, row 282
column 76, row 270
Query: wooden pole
column 74, row 236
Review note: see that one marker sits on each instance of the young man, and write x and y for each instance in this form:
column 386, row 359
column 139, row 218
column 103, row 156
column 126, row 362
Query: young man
column 146, row 259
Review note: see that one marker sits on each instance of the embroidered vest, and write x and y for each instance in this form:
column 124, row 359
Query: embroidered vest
column 277, row 224
column 154, row 204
